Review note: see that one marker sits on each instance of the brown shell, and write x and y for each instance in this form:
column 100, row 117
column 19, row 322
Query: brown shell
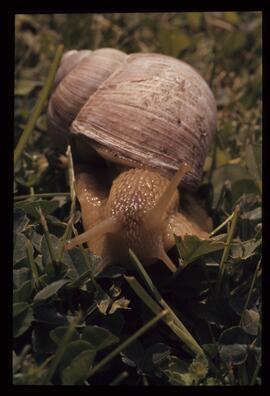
column 78, row 77
column 69, row 60
column 156, row 111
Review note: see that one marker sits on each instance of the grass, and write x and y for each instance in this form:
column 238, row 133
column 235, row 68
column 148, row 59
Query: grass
column 77, row 323
column 39, row 106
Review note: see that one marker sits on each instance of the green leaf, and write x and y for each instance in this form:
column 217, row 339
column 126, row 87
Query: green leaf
column 252, row 215
column 19, row 251
column 177, row 372
column 58, row 333
column 231, row 17
column 245, row 250
column 25, row 87
column 114, row 322
column 237, row 302
column 210, row 311
column 173, row 41
column 199, row 368
column 35, row 239
column 41, row 342
column 49, row 316
column 22, row 318
column 235, row 354
column 78, row 370
column 77, row 265
column 194, row 19
column 134, row 355
column 211, row 349
column 16, row 362
column 211, row 381
column 121, row 303
column 222, row 157
column 112, row 272
column 31, row 207
column 42, row 123
column 73, row 349
column 232, row 173
column 233, row 344
column 233, row 42
column 241, row 187
column 56, row 246
column 50, row 290
column 250, row 321
column 103, row 301
column 23, row 293
column 20, row 220
column 234, row 335
column 253, row 156
column 99, row 337
column 191, row 247
column 155, row 356
column 20, row 276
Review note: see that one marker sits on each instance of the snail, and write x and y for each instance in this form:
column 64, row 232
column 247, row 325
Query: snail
column 152, row 116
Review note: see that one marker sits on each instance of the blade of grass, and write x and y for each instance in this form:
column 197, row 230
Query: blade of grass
column 82, row 278
column 32, row 264
column 61, row 349
column 250, row 291
column 162, row 302
column 144, row 296
column 88, row 264
column 72, row 186
column 42, row 195
column 242, row 374
column 72, row 193
column 226, row 250
column 66, row 236
column 214, row 66
column 121, row 377
column 256, row 371
column 259, row 363
column 179, row 329
column 169, row 320
column 222, row 194
column 47, row 235
column 127, row 342
column 39, row 105
column 71, row 179
column 214, row 160
column 221, row 225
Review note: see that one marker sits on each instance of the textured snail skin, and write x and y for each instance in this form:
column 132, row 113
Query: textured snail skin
column 92, row 195
column 129, row 219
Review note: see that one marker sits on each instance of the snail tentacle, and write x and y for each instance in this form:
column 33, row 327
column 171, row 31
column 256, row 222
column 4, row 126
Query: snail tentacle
column 155, row 217
column 102, row 228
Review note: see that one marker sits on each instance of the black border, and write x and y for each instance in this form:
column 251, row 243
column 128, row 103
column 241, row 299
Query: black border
column 7, row 40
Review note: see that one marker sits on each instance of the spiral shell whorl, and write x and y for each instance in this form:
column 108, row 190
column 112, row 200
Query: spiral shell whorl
column 80, row 74
column 69, row 60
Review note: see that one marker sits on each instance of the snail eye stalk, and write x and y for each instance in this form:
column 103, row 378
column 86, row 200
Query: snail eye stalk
column 155, row 217
column 102, row 228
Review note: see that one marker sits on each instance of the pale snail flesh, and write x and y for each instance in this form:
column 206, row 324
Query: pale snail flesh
column 157, row 114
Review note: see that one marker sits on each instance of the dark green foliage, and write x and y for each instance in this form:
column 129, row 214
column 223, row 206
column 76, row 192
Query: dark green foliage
column 68, row 316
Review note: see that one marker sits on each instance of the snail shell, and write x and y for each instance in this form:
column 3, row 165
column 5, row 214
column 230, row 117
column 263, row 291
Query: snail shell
column 80, row 74
column 146, row 109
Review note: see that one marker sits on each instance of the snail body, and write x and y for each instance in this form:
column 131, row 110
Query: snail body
column 156, row 115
